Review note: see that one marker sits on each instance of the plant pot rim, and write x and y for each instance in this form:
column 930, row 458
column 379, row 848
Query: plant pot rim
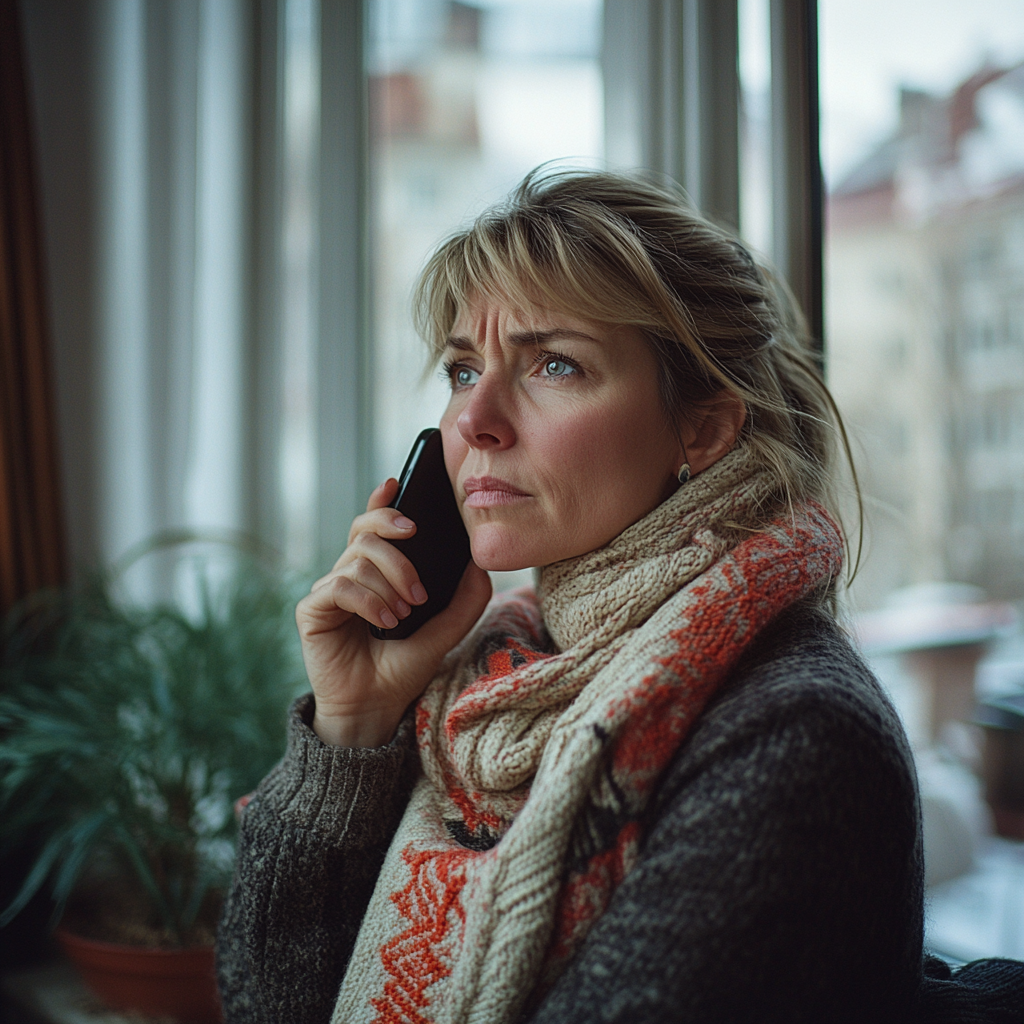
column 180, row 983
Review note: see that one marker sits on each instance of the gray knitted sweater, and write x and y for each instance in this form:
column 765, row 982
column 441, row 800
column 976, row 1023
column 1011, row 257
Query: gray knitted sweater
column 780, row 877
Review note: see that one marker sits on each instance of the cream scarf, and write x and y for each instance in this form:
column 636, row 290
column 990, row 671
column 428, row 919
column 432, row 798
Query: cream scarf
column 543, row 738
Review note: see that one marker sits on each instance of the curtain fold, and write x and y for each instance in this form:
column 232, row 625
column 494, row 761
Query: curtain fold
column 32, row 543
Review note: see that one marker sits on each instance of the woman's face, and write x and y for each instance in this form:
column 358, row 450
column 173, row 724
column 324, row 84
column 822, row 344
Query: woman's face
column 555, row 437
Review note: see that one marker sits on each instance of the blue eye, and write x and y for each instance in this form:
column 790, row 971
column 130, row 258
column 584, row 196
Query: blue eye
column 558, row 368
column 458, row 375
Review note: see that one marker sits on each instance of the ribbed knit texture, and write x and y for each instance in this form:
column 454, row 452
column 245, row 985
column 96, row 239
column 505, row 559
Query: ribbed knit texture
column 983, row 992
column 322, row 818
column 778, row 878
column 538, row 765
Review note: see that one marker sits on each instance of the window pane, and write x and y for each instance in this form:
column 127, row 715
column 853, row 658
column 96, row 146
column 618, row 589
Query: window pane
column 924, row 153
column 923, row 146
column 464, row 100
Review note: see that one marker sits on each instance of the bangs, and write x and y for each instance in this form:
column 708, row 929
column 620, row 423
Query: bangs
column 581, row 263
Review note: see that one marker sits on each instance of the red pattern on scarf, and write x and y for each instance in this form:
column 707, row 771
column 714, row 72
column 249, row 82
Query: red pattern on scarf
column 585, row 896
column 660, row 711
column 417, row 958
column 475, row 698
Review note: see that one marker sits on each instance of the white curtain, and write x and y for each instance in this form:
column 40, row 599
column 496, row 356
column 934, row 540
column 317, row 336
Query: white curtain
column 173, row 267
column 203, row 189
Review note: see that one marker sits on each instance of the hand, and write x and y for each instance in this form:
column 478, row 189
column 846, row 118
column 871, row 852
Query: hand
column 363, row 685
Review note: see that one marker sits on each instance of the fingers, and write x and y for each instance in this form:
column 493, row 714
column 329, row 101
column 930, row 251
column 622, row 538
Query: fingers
column 385, row 522
column 371, row 578
column 379, row 518
column 369, row 595
column 383, row 494
column 388, row 523
column 360, row 588
column 382, row 584
column 396, row 568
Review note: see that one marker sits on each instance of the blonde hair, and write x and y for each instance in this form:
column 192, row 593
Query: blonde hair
column 627, row 252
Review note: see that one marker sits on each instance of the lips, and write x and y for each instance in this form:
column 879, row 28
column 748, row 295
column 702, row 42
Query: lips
column 490, row 491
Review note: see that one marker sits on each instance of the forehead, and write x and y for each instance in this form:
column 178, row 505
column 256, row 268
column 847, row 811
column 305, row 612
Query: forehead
column 603, row 347
column 517, row 320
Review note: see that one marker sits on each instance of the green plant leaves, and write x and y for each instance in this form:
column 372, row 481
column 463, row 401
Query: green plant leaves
column 127, row 732
column 44, row 863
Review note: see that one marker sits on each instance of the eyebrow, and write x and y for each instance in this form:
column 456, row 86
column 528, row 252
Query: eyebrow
column 525, row 339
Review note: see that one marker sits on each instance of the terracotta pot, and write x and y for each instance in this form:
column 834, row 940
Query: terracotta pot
column 177, row 983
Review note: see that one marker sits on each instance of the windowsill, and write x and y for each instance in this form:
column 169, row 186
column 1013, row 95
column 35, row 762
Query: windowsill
column 981, row 913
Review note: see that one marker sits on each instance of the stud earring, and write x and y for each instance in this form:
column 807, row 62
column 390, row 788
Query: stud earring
column 684, row 473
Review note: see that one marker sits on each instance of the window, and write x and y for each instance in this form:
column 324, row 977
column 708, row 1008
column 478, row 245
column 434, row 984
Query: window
column 925, row 166
column 464, row 100
column 923, row 132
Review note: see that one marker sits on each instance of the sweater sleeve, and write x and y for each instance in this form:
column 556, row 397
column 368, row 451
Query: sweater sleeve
column 312, row 841
column 780, row 879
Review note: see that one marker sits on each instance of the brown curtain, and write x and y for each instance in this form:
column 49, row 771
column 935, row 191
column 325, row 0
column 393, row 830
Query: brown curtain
column 32, row 546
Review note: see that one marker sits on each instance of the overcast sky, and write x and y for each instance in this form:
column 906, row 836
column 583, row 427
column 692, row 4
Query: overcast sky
column 870, row 47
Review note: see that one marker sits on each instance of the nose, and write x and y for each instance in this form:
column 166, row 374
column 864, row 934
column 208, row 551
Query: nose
column 484, row 421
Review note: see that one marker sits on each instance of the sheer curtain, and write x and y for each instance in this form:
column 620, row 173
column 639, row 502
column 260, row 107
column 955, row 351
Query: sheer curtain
column 203, row 201
column 172, row 246
column 144, row 113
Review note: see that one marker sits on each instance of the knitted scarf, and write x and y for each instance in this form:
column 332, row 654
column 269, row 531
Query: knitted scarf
column 543, row 738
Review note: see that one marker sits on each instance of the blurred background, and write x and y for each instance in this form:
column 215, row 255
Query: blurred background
column 235, row 197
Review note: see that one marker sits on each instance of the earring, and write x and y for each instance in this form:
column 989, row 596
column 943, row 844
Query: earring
column 684, row 473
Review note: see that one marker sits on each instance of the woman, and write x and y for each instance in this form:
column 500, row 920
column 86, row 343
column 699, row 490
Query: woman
column 661, row 788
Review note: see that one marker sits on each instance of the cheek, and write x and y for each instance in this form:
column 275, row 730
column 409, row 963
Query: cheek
column 620, row 452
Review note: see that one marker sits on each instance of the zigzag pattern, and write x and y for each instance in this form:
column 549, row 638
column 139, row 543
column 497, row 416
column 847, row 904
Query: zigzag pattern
column 558, row 752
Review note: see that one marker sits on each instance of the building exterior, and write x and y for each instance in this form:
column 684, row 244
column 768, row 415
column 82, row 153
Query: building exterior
column 925, row 305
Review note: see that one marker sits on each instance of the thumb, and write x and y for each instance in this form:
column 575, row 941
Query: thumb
column 447, row 628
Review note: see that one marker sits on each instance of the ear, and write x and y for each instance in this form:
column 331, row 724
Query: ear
column 710, row 430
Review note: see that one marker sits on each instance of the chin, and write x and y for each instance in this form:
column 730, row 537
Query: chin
column 495, row 550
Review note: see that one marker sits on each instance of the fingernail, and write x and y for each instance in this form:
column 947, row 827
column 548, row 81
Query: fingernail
column 404, row 524
column 419, row 595
column 388, row 619
column 402, row 608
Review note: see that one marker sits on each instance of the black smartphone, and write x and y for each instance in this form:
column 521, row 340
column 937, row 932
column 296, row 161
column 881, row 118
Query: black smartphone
column 440, row 547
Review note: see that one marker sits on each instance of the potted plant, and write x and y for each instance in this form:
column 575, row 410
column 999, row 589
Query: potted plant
column 126, row 734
